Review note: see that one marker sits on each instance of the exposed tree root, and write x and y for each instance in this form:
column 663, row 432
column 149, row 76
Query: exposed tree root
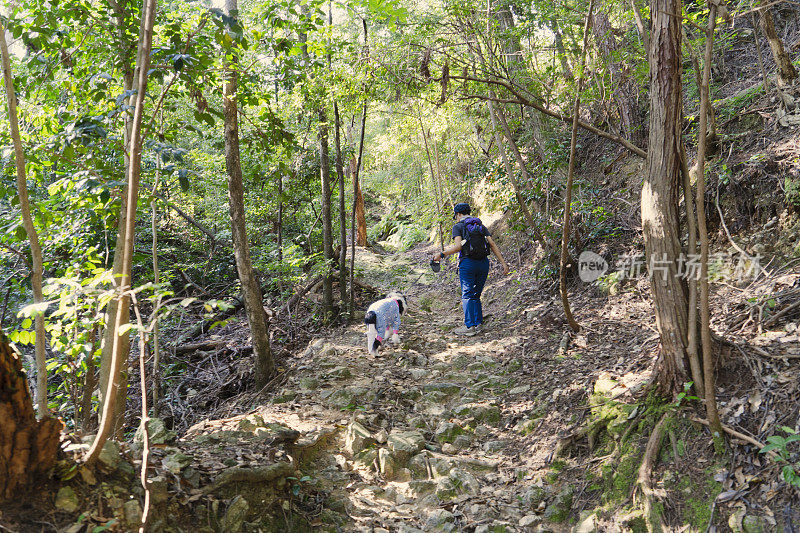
column 644, row 481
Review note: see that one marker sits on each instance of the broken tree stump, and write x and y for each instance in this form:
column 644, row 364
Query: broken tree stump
column 28, row 447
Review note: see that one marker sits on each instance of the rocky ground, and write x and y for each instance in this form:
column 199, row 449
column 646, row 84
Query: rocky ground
column 524, row 427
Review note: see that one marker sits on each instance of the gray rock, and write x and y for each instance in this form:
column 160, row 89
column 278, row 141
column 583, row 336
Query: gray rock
column 534, row 496
column 495, row 445
column 520, row 389
column 159, row 489
column 405, row 443
column 110, row 455
column 347, row 397
column 339, row 372
column 529, row 520
column 418, row 465
column 234, row 517
column 440, row 520
column 488, row 414
column 356, row 438
column 67, row 500
column 447, row 388
column 387, row 464
column 560, row 507
column 133, row 512
column 420, row 487
column 157, row 433
column 419, row 373
column 176, row 462
column 463, row 442
column 449, row 449
column 366, row 457
column 586, row 525
column 457, row 482
column 753, row 524
column 447, row 432
column 308, row 383
column 420, row 360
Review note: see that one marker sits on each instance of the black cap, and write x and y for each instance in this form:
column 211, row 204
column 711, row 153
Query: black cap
column 461, row 208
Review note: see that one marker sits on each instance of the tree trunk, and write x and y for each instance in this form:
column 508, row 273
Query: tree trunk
column 126, row 52
column 786, row 70
column 342, row 213
column 327, row 230
column 560, row 51
column 28, row 447
column 251, row 290
column 30, row 229
column 660, row 223
column 565, row 256
column 113, row 414
column 625, row 89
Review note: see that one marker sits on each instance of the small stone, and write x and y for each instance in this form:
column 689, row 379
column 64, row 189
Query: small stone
column 387, row 464
column 339, row 372
column 176, row 462
column 234, row 517
column 357, row 438
column 449, row 449
column 495, row 445
column 405, row 443
column 67, row 500
column 133, row 512
column 419, row 373
column 462, row 442
column 438, row 519
column 586, row 525
column 110, row 455
column 753, row 524
column 529, row 520
column 447, row 432
column 157, row 432
column 381, row 436
column 534, row 496
column 308, row 383
column 559, row 509
column 520, row 389
column 446, row 388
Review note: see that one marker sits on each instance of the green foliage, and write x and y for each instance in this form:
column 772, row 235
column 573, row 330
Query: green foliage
column 786, row 452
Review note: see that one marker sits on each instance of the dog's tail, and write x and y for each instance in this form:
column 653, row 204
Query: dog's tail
column 371, row 318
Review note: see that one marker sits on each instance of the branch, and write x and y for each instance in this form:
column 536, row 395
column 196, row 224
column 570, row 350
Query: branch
column 188, row 218
column 564, row 118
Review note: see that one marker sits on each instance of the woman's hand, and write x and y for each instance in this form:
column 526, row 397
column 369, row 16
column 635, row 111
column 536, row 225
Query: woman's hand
column 437, row 256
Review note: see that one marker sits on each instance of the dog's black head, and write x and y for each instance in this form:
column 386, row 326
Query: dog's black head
column 402, row 304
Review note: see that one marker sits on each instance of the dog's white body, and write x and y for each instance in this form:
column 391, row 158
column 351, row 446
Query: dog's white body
column 383, row 320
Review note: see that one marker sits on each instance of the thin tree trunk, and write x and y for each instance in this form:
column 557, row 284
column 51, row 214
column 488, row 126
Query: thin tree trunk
column 28, row 448
column 705, row 313
column 433, row 181
column 127, row 51
column 560, row 50
column 523, row 205
column 156, row 279
column 786, row 70
column 251, row 290
column 356, row 200
column 570, row 173
column 30, row 229
column 119, row 348
column 758, row 54
column 89, row 386
column 641, row 26
column 711, row 132
column 659, row 203
column 342, row 215
column 327, row 231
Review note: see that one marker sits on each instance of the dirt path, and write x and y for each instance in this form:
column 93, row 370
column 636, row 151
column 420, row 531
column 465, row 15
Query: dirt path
column 429, row 431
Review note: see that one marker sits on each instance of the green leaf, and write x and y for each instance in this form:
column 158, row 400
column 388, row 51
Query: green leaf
column 26, row 323
column 33, row 309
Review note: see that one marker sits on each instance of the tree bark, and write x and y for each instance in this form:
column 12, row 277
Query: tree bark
column 327, row 230
column 570, row 174
column 660, row 222
column 28, row 447
column 786, row 70
column 705, row 313
column 127, row 49
column 30, row 229
column 251, row 290
column 342, row 213
column 120, row 343
column 625, row 91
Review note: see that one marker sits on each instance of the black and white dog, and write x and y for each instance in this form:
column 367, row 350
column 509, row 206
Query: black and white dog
column 383, row 319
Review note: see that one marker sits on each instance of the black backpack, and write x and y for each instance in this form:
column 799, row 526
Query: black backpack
column 475, row 245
